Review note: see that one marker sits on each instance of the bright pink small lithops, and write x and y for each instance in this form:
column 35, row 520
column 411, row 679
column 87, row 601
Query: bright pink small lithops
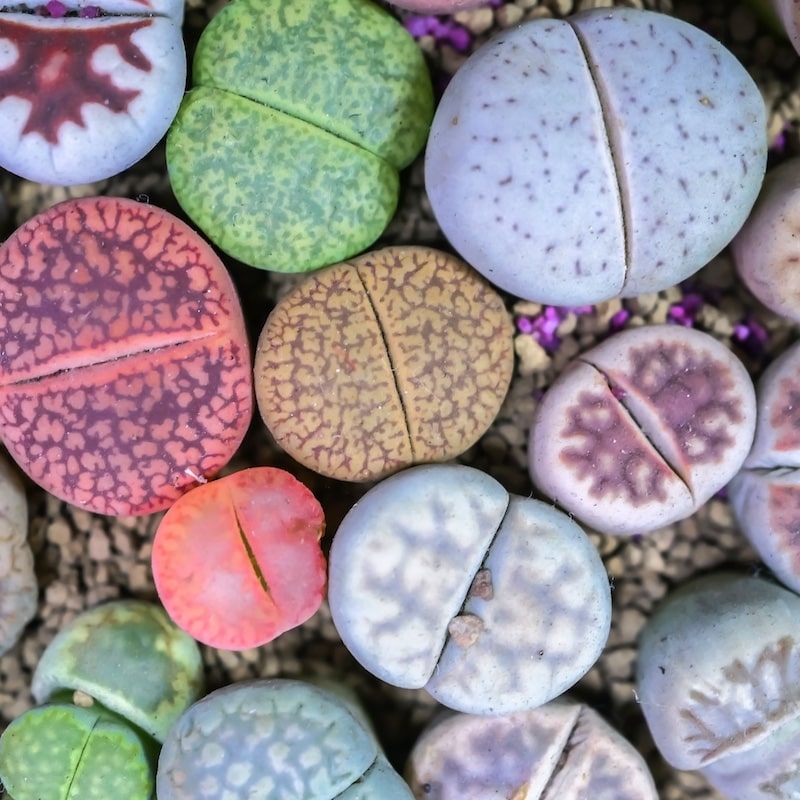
column 237, row 562
column 87, row 90
column 124, row 360
column 643, row 429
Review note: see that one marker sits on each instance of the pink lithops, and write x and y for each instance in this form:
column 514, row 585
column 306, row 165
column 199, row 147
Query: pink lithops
column 238, row 561
column 767, row 248
column 87, row 90
column 641, row 430
column 124, row 362
column 765, row 495
column 608, row 154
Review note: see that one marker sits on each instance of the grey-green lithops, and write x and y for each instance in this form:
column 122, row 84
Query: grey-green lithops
column 129, row 656
column 68, row 752
column 719, row 684
column 287, row 150
column 275, row 738
column 18, row 589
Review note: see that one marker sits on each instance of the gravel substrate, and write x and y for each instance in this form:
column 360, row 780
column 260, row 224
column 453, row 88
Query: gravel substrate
column 83, row 559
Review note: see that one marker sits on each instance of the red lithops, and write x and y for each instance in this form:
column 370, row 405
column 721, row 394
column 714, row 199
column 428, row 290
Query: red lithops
column 237, row 561
column 124, row 360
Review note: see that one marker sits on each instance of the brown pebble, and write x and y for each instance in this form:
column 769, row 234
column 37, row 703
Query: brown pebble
column 465, row 629
column 482, row 585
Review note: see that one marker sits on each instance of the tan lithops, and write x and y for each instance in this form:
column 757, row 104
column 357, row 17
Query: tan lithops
column 401, row 356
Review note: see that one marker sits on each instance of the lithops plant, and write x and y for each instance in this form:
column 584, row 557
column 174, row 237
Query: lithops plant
column 568, row 172
column 765, row 494
column 642, row 429
column 18, row 587
column 126, row 377
column 494, row 603
column 69, row 752
column 400, row 356
column 275, row 738
column 562, row 749
column 718, row 677
column 238, row 561
column 130, row 658
column 87, row 89
column 766, row 251
column 287, row 149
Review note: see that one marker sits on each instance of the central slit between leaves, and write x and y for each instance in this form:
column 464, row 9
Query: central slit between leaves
column 251, row 557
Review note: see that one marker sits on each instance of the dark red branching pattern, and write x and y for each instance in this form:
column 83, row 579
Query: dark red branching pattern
column 53, row 71
column 611, row 453
column 784, row 520
column 785, row 418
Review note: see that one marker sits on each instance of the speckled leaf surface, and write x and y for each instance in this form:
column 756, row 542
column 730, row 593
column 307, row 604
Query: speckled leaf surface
column 352, row 71
column 258, row 182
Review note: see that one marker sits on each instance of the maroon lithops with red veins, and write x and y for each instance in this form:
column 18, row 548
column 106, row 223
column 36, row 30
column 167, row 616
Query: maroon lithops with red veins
column 124, row 361
column 641, row 430
column 765, row 495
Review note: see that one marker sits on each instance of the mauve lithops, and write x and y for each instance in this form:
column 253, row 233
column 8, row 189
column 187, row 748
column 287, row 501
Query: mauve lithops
column 563, row 749
column 719, row 683
column 493, row 603
column 125, row 374
column 287, row 149
column 69, row 752
column 400, row 356
column 641, row 430
column 765, row 495
column 608, row 154
column 86, row 89
column 18, row 586
column 275, row 738
column 238, row 561
column 128, row 656
column 766, row 250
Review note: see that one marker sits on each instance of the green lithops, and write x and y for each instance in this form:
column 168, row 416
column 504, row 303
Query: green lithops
column 68, row 752
column 130, row 657
column 18, row 589
column 287, row 150
column 275, row 738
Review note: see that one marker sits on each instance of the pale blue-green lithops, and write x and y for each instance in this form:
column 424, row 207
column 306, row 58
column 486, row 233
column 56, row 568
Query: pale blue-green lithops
column 493, row 603
column 18, row 588
column 563, row 749
column 642, row 429
column 129, row 656
column 608, row 154
column 719, row 683
column 277, row 738
column 69, row 752
column 765, row 494
column 286, row 152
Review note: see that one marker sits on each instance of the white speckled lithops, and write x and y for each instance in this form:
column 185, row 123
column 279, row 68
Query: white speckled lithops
column 274, row 738
column 719, row 684
column 87, row 88
column 765, row 495
column 641, row 430
column 18, row 589
column 492, row 603
column 563, row 749
column 609, row 154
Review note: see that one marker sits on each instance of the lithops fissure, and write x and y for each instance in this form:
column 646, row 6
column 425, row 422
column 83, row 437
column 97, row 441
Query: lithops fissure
column 643, row 429
column 493, row 603
column 719, row 683
column 86, row 89
column 568, row 172
column 18, row 586
column 130, row 657
column 561, row 750
column 765, row 494
column 274, row 738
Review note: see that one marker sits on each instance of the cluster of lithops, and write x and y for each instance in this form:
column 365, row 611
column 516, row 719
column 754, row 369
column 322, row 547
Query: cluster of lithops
column 287, row 149
column 86, row 90
column 276, row 738
column 112, row 683
column 719, row 684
